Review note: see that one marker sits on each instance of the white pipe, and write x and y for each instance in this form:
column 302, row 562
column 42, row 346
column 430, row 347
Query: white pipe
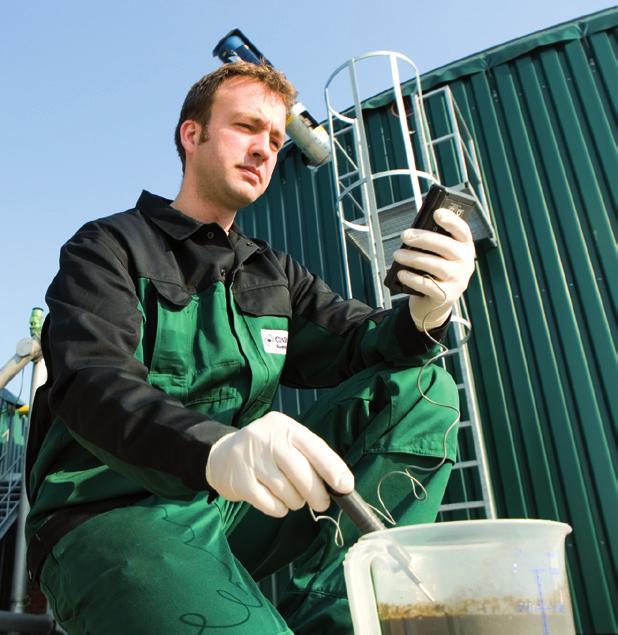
column 11, row 368
column 28, row 349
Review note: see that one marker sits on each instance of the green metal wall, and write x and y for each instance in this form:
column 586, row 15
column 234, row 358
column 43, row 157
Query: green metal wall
column 542, row 111
column 12, row 423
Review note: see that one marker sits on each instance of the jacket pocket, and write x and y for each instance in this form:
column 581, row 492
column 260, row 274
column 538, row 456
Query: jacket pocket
column 267, row 300
column 175, row 327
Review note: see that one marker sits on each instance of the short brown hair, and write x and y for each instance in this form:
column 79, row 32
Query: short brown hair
column 198, row 102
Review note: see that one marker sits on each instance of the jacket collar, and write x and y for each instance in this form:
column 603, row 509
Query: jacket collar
column 172, row 221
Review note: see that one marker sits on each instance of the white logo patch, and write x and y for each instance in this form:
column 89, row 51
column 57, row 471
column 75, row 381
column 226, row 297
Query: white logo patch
column 275, row 341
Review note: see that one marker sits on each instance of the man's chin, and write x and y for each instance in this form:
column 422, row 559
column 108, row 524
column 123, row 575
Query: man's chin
column 246, row 196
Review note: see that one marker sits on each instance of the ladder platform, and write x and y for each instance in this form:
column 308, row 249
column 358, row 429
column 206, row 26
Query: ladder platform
column 396, row 217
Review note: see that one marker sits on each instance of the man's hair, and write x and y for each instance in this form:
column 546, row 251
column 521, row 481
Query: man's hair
column 198, row 102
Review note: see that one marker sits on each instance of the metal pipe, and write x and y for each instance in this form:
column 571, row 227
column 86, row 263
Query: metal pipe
column 29, row 349
column 12, row 367
column 27, row 623
column 20, row 578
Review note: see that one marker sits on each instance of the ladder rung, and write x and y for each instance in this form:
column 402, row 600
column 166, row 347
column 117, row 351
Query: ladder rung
column 463, row 465
column 386, row 237
column 465, row 424
column 348, row 174
column 446, row 137
column 455, row 506
column 343, row 130
column 402, row 206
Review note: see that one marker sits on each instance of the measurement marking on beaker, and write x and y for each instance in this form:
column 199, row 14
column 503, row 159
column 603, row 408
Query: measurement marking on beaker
column 539, row 588
column 552, row 568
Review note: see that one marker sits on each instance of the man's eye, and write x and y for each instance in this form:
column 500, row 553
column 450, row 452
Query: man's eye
column 246, row 126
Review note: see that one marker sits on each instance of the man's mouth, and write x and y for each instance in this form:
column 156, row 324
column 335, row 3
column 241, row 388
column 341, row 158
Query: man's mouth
column 251, row 170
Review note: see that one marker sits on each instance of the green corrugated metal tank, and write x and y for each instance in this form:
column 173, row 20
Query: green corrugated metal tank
column 12, row 422
column 542, row 112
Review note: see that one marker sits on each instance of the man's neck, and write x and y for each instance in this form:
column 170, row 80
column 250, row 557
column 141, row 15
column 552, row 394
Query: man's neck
column 191, row 204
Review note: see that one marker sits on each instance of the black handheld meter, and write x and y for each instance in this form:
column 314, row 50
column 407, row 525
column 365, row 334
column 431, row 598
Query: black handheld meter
column 438, row 197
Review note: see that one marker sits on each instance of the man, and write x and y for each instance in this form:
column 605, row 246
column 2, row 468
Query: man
column 162, row 484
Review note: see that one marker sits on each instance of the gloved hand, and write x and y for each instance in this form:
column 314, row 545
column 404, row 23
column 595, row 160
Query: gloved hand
column 276, row 464
column 450, row 266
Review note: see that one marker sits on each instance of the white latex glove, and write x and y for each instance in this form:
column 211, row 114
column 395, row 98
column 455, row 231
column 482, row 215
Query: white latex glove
column 276, row 464
column 450, row 266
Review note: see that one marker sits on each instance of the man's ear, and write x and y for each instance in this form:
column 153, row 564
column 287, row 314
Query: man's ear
column 190, row 135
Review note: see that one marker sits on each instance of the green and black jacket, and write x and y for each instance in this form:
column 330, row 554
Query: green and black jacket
column 163, row 335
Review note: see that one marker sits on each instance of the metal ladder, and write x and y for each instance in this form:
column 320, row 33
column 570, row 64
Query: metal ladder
column 377, row 198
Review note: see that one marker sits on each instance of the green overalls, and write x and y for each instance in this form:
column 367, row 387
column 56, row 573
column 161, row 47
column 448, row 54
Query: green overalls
column 182, row 560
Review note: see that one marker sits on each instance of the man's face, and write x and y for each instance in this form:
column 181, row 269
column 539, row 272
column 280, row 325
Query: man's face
column 233, row 166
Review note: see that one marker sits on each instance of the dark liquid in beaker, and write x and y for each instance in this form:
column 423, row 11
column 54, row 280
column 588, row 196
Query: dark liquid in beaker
column 523, row 624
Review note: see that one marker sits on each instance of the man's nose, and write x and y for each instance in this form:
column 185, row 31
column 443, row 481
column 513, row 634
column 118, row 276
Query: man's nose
column 260, row 146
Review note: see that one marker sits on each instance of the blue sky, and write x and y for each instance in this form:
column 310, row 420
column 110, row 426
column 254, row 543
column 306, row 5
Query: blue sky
column 91, row 93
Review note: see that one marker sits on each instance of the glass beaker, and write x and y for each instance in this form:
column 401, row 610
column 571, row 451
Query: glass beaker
column 484, row 576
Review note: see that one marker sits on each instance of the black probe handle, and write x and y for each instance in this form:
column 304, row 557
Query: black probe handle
column 358, row 510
